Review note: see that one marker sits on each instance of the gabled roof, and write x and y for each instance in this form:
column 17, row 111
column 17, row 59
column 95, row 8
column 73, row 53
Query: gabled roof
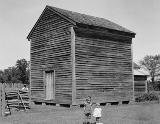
column 90, row 20
column 87, row 20
column 138, row 70
column 135, row 66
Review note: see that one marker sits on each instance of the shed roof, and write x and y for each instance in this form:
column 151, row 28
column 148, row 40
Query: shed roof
column 79, row 18
column 135, row 66
column 140, row 72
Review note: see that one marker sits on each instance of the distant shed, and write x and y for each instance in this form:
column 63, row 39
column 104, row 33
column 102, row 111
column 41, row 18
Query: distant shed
column 140, row 80
column 75, row 55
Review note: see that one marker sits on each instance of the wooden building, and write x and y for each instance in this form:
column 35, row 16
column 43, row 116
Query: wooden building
column 75, row 55
column 140, row 81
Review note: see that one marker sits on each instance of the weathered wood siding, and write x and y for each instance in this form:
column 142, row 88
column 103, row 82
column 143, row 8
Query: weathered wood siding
column 51, row 49
column 103, row 69
column 139, row 84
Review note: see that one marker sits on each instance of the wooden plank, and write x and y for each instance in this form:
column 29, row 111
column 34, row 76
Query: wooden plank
column 94, row 61
column 101, row 34
column 103, row 68
column 51, row 45
column 146, row 86
column 2, row 99
column 132, row 71
column 1, row 111
column 73, row 66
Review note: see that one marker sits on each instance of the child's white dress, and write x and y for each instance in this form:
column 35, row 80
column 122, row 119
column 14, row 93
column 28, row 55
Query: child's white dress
column 97, row 112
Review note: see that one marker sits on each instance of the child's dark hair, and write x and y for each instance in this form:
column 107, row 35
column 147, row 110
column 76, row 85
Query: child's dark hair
column 89, row 97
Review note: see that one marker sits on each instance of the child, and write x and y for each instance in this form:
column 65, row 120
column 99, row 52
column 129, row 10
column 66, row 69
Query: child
column 87, row 110
column 25, row 88
column 97, row 113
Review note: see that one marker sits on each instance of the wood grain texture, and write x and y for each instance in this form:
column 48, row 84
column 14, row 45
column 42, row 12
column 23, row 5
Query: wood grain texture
column 133, row 83
column 103, row 68
column 139, row 84
column 73, row 66
column 51, row 50
column 88, row 61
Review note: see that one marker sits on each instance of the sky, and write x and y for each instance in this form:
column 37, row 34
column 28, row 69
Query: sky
column 17, row 17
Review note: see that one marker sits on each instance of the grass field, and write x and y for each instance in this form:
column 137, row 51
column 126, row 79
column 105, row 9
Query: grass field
column 122, row 114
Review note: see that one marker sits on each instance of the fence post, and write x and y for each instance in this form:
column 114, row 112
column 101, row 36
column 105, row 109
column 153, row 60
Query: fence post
column 2, row 99
column 146, row 86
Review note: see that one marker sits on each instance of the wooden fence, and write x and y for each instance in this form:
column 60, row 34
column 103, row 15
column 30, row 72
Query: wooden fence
column 9, row 99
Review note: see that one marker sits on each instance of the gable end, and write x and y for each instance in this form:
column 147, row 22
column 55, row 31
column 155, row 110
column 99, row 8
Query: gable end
column 39, row 19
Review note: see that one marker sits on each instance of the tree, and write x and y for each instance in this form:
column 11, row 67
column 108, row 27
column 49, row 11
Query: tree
column 151, row 64
column 1, row 76
column 16, row 74
column 22, row 67
column 10, row 75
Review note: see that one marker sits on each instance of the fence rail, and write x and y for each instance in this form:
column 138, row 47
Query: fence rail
column 10, row 99
column 17, row 99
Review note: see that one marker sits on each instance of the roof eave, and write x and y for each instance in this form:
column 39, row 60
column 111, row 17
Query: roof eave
column 74, row 22
column 129, row 34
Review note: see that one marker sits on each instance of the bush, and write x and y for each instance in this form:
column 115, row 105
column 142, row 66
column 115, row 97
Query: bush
column 147, row 97
column 154, row 86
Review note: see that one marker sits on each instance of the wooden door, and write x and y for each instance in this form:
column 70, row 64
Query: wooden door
column 50, row 85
